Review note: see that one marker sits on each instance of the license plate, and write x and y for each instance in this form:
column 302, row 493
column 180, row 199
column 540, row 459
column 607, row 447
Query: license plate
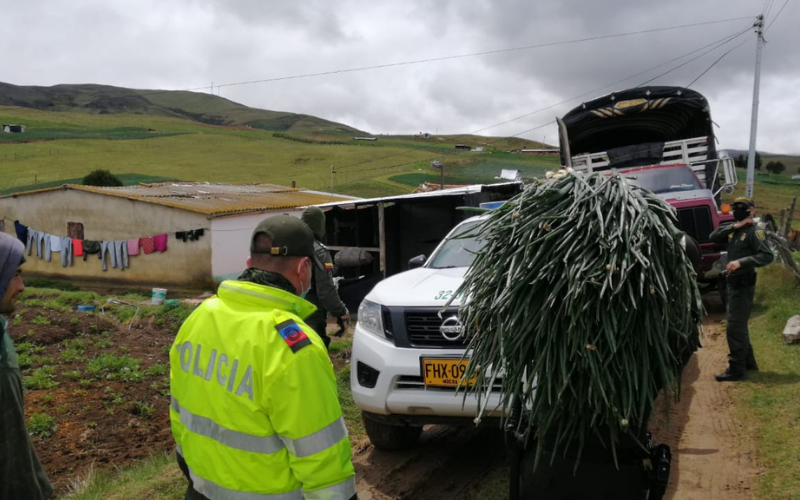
column 444, row 372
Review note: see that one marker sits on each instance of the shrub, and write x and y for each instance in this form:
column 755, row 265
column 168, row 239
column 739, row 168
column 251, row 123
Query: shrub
column 101, row 178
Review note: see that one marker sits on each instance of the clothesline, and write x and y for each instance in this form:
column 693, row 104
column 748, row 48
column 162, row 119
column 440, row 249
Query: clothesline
column 118, row 251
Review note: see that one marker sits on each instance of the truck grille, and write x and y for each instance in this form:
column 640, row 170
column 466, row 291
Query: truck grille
column 423, row 330
column 696, row 222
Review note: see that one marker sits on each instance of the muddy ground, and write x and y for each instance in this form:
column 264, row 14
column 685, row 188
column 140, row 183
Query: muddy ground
column 108, row 417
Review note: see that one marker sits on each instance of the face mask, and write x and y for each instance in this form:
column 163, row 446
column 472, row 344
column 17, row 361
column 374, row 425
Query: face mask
column 741, row 214
column 305, row 292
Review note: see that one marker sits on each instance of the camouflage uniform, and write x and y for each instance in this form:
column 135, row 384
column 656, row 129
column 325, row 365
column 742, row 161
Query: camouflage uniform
column 748, row 246
column 323, row 292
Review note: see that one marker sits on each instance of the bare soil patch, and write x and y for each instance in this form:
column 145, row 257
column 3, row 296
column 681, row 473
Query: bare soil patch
column 108, row 419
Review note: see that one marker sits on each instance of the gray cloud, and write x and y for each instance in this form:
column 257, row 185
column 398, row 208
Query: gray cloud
column 185, row 44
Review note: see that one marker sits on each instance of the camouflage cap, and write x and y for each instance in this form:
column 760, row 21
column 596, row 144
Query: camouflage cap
column 290, row 237
column 746, row 201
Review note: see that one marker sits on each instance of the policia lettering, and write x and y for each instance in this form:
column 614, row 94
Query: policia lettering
column 216, row 367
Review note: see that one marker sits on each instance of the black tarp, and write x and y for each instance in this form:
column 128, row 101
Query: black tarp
column 636, row 116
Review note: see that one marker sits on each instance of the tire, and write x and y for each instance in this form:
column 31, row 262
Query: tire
column 390, row 437
column 693, row 252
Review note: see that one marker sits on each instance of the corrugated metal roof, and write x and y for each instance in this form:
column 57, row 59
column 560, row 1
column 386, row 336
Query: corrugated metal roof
column 213, row 200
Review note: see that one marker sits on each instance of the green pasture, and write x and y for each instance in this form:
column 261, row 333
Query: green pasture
column 61, row 147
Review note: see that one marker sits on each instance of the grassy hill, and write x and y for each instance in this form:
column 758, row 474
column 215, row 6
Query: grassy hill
column 59, row 147
column 196, row 106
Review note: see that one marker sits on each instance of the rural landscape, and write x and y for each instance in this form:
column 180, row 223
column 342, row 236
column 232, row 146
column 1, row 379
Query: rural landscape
column 97, row 378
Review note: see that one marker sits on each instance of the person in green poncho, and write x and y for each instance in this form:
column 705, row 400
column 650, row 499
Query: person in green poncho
column 21, row 474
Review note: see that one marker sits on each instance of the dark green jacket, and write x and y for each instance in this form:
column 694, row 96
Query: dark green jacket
column 21, row 474
column 748, row 245
column 323, row 292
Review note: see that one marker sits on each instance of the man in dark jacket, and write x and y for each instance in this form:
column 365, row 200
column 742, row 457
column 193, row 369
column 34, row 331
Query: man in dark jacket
column 21, row 474
column 747, row 250
column 323, row 292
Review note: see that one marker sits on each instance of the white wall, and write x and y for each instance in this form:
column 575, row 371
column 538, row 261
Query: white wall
column 230, row 242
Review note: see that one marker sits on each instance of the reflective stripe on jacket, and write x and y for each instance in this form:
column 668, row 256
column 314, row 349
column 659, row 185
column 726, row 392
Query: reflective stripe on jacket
column 255, row 409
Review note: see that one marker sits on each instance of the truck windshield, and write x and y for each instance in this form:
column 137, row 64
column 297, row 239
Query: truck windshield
column 460, row 249
column 665, row 180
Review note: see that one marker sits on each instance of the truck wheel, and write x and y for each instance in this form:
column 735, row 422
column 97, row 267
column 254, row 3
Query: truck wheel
column 390, row 437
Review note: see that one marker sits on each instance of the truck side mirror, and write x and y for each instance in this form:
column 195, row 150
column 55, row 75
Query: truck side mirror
column 416, row 262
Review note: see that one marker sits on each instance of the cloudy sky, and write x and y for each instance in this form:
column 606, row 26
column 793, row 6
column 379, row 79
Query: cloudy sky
column 500, row 68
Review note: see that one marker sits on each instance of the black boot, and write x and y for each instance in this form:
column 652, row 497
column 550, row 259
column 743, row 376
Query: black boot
column 751, row 365
column 731, row 376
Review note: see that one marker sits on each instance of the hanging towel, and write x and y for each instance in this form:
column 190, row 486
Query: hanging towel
column 133, row 247
column 22, row 232
column 77, row 248
column 160, row 242
column 55, row 243
column 147, row 244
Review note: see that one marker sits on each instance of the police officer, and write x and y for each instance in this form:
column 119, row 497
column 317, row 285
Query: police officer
column 323, row 292
column 747, row 250
column 255, row 411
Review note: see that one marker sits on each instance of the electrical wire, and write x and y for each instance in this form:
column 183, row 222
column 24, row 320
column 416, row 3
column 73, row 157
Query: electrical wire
column 715, row 44
column 457, row 56
column 715, row 62
column 730, row 39
column 776, row 16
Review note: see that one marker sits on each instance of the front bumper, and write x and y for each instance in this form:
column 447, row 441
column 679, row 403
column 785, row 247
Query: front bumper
column 399, row 388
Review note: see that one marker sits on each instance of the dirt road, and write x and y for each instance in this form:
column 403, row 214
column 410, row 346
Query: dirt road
column 713, row 456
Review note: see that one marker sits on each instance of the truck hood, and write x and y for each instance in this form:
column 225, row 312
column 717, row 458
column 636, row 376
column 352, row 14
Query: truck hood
column 695, row 194
column 419, row 287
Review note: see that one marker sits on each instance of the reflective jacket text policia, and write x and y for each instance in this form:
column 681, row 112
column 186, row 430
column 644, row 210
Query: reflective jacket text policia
column 255, row 411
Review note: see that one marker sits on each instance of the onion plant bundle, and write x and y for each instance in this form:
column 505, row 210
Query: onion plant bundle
column 584, row 303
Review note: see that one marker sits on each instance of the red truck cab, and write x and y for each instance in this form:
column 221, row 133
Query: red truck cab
column 663, row 139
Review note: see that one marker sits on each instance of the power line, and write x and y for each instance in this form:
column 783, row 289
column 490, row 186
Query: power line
column 458, row 56
column 715, row 62
column 776, row 15
column 714, row 45
column 730, row 39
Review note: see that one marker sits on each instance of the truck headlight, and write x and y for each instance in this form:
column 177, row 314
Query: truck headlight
column 370, row 318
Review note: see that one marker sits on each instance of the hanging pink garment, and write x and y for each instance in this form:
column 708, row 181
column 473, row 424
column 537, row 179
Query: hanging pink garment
column 160, row 242
column 147, row 244
column 133, row 247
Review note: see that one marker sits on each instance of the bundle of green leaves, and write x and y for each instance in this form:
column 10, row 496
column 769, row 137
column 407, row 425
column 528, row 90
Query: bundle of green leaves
column 585, row 304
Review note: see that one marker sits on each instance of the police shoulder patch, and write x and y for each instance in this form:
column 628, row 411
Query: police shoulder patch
column 293, row 335
column 329, row 266
column 760, row 234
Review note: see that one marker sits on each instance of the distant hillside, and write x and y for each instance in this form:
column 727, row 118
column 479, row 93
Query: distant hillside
column 196, row 106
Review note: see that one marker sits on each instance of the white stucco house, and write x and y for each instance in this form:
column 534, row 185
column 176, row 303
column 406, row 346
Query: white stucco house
column 175, row 234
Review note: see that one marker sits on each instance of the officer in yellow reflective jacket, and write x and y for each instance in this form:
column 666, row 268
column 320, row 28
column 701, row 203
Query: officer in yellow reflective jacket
column 255, row 411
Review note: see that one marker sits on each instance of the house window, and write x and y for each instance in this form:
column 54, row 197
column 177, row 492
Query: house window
column 75, row 230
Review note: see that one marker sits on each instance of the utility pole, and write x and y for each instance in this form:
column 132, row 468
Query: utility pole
column 332, row 172
column 751, row 156
column 441, row 182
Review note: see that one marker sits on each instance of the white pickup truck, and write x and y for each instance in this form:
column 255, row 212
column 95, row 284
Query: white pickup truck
column 406, row 360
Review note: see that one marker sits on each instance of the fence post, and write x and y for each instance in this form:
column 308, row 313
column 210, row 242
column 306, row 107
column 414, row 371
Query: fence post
column 789, row 218
column 782, row 223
